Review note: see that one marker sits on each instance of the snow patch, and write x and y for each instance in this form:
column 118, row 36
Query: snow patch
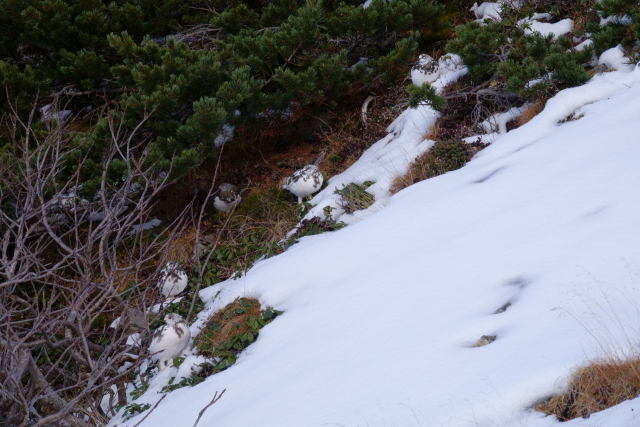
column 614, row 59
column 497, row 123
column 535, row 25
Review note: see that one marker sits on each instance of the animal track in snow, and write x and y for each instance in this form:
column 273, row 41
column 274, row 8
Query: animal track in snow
column 504, row 307
column 489, row 176
column 484, row 340
column 520, row 282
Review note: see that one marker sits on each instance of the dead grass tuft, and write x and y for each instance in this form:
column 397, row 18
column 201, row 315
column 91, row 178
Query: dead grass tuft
column 444, row 156
column 230, row 322
column 260, row 222
column 231, row 330
column 594, row 388
column 528, row 114
column 349, row 136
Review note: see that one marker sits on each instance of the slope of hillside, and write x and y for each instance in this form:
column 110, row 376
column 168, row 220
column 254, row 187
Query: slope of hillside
column 533, row 242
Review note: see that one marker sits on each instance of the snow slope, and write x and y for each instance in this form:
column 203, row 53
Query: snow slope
column 380, row 317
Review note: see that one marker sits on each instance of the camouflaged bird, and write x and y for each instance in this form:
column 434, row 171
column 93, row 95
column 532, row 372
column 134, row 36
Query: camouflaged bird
column 306, row 181
column 227, row 197
column 173, row 280
column 170, row 340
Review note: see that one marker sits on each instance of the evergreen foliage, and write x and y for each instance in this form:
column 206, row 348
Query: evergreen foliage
column 425, row 94
column 623, row 26
column 242, row 63
column 502, row 53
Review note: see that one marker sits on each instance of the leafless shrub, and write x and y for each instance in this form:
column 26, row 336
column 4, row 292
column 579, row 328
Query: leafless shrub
column 68, row 267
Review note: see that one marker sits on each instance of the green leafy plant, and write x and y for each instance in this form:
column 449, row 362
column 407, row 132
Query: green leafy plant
column 313, row 226
column 195, row 378
column 425, row 94
column 134, row 408
column 139, row 390
column 355, row 197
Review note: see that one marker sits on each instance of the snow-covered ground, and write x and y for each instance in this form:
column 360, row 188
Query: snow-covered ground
column 380, row 317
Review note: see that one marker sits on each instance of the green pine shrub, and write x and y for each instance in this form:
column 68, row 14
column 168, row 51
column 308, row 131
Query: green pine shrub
column 241, row 63
column 623, row 29
column 501, row 53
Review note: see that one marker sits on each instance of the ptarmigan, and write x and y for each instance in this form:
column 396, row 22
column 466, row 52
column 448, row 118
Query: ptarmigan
column 306, row 181
column 51, row 114
column 227, row 197
column 425, row 70
column 170, row 340
column 173, row 280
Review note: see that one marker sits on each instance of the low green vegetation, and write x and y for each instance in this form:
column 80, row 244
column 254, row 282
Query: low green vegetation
column 258, row 229
column 231, row 330
column 133, row 409
column 355, row 197
column 195, row 378
column 623, row 26
column 139, row 390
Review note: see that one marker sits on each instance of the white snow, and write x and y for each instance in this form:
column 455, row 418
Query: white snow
column 487, row 10
column 379, row 317
column 616, row 19
column 497, row 123
column 614, row 58
column 535, row 25
column 583, row 45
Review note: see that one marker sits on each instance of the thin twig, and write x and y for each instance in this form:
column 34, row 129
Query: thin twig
column 216, row 397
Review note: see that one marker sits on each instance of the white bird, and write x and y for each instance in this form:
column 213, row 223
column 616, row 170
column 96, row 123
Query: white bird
column 227, row 197
column 170, row 340
column 173, row 280
column 490, row 10
column 449, row 62
column 425, row 70
column 306, row 181
column 50, row 114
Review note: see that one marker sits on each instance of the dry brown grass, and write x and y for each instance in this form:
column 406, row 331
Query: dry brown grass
column 349, row 136
column 230, row 322
column 443, row 157
column 527, row 115
column 594, row 388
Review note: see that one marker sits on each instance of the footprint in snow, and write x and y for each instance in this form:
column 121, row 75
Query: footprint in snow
column 489, row 175
column 484, row 340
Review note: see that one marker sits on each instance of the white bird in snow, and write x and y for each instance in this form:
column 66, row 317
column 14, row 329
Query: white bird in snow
column 425, row 70
column 170, row 340
column 306, row 181
column 173, row 280
column 227, row 197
